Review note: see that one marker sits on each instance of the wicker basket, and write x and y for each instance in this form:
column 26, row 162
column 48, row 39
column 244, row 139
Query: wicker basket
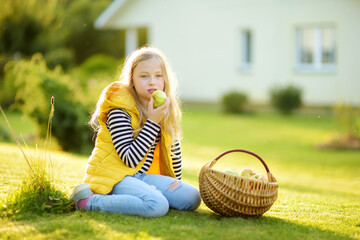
column 236, row 196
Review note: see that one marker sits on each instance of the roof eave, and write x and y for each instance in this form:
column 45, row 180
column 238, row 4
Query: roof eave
column 103, row 20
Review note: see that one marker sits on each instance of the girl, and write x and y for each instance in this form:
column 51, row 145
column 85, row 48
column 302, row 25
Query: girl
column 135, row 167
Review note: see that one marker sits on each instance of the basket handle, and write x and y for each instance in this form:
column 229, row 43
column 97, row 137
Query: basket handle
column 270, row 176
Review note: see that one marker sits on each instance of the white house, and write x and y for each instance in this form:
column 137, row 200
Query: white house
column 216, row 46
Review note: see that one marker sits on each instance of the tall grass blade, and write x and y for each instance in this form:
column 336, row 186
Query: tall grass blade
column 38, row 192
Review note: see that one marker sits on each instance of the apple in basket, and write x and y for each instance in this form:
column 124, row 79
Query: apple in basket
column 232, row 172
column 263, row 177
column 159, row 98
column 247, row 172
column 260, row 177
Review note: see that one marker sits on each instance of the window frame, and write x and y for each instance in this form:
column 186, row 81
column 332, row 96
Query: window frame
column 317, row 66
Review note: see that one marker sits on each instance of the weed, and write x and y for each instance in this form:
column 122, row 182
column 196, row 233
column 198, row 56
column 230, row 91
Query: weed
column 39, row 191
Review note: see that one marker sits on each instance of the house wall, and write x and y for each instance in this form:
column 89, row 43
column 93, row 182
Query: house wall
column 202, row 41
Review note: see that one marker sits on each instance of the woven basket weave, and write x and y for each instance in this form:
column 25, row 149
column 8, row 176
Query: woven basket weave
column 236, row 196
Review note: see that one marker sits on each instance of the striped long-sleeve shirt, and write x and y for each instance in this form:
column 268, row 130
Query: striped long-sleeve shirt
column 132, row 151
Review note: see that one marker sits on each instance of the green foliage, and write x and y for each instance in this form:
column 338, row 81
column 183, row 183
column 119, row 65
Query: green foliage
column 80, row 35
column 60, row 56
column 3, row 60
column 99, row 64
column 30, row 197
column 39, row 192
column 286, row 99
column 234, row 102
column 94, row 74
column 5, row 96
column 32, row 26
column 347, row 117
column 13, row 41
column 29, row 26
column 33, row 84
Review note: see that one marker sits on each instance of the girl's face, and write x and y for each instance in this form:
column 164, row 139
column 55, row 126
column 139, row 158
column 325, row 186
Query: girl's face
column 147, row 78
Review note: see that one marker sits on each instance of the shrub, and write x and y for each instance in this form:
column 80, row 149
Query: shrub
column 34, row 84
column 234, row 102
column 347, row 117
column 93, row 75
column 61, row 56
column 286, row 99
column 99, row 63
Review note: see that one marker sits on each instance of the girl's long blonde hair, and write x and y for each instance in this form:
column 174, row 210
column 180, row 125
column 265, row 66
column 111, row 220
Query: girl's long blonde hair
column 171, row 122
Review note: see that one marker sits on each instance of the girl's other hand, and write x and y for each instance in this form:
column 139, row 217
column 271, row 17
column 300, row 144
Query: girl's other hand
column 158, row 114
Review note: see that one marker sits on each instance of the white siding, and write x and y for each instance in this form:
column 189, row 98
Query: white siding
column 202, row 41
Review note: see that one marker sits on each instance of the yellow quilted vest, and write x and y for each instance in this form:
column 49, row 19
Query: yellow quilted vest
column 104, row 167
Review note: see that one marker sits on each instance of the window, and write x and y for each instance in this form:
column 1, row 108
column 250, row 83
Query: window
column 315, row 49
column 246, row 50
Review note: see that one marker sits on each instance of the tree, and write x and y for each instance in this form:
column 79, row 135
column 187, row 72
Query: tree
column 34, row 85
column 29, row 26
column 81, row 36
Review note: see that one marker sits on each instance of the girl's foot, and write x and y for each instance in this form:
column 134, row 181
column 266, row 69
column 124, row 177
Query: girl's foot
column 81, row 195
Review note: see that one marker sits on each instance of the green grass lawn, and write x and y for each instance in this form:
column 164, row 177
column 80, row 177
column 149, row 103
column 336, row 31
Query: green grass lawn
column 319, row 190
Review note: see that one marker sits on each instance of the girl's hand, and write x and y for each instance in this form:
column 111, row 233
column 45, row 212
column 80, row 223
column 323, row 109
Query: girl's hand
column 158, row 114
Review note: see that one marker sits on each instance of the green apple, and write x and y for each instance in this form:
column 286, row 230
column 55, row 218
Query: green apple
column 159, row 98
column 232, row 172
column 247, row 172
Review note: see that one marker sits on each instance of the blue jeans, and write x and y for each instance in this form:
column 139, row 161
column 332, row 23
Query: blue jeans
column 147, row 195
